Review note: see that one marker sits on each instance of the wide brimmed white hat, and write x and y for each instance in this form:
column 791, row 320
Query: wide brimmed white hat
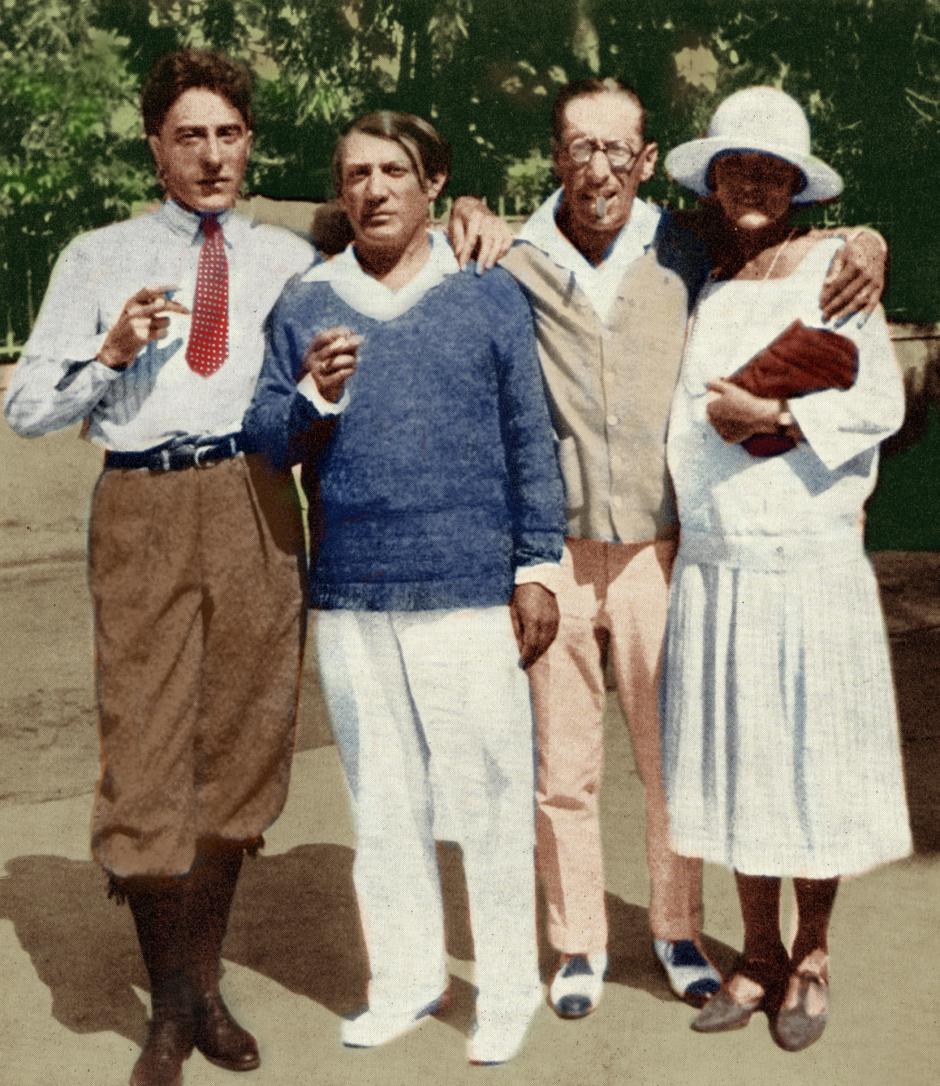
column 761, row 119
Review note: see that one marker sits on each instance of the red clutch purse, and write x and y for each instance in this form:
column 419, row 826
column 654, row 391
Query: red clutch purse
column 798, row 361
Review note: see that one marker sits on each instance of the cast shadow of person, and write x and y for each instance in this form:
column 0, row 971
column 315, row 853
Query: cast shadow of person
column 295, row 921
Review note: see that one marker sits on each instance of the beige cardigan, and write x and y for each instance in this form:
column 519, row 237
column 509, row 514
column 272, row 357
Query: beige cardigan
column 610, row 390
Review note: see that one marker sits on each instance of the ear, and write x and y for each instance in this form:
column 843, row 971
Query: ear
column 434, row 185
column 154, row 144
column 648, row 161
column 249, row 142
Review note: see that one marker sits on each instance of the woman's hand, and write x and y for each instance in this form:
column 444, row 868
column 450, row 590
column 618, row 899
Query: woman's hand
column 331, row 360
column 737, row 415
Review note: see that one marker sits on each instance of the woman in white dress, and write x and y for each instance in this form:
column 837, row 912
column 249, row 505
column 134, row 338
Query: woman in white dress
column 780, row 739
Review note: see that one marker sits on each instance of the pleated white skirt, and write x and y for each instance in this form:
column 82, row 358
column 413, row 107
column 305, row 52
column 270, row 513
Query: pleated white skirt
column 781, row 752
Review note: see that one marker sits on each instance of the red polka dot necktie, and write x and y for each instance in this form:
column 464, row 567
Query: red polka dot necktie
column 208, row 336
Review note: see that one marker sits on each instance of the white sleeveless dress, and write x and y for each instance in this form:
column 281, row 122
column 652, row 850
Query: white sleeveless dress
column 780, row 739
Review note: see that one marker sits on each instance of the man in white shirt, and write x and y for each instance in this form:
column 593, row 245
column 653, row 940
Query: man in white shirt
column 151, row 331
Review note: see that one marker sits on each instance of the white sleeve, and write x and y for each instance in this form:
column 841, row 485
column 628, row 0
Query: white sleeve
column 547, row 574
column 841, row 424
column 57, row 380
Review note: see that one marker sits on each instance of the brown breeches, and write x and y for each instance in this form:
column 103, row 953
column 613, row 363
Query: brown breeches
column 199, row 588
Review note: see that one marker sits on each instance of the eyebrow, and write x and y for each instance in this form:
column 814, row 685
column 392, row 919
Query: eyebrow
column 353, row 164
column 200, row 129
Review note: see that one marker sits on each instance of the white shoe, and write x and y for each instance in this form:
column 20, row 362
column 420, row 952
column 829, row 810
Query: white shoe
column 577, row 986
column 692, row 977
column 373, row 1028
column 497, row 1036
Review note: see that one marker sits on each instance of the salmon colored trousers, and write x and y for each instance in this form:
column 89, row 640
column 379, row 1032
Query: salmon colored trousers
column 613, row 596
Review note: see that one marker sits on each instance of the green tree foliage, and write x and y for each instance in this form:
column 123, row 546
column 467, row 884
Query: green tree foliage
column 69, row 153
column 486, row 71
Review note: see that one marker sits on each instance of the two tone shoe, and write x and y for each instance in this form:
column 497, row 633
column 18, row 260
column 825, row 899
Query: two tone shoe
column 692, row 977
column 577, row 987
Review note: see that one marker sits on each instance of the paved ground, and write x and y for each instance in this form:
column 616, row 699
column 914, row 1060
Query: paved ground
column 73, row 1001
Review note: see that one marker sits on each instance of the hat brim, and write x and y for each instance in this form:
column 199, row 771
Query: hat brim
column 688, row 164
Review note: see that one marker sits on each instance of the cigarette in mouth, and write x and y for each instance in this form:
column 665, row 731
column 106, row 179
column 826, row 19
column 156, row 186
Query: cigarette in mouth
column 600, row 207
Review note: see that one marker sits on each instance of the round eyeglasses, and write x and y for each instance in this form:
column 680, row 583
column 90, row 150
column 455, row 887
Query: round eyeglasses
column 620, row 155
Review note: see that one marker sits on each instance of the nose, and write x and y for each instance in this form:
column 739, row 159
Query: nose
column 376, row 187
column 212, row 152
column 598, row 166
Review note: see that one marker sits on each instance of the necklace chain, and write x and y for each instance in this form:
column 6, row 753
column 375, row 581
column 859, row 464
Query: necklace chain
column 777, row 255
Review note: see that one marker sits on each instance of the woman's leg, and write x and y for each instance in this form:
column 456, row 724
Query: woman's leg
column 814, row 902
column 758, row 974
column 805, row 1005
column 759, row 896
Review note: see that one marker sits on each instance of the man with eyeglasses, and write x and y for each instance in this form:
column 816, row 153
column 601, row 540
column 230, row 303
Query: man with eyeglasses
column 611, row 280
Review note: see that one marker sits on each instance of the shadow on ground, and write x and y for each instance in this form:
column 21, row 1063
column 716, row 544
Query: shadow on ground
column 83, row 948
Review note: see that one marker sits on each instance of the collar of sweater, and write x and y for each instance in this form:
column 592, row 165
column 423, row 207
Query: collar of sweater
column 372, row 298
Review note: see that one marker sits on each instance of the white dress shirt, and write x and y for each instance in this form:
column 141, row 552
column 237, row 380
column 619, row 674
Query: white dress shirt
column 158, row 399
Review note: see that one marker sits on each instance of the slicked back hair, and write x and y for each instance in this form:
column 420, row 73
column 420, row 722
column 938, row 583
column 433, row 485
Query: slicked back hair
column 586, row 88
column 425, row 147
column 176, row 73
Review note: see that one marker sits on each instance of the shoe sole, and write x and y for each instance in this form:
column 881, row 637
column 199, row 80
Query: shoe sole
column 568, row 1016
column 227, row 1066
column 722, row 1028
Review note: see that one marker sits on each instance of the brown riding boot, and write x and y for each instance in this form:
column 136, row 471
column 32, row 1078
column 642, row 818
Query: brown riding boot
column 158, row 908
column 209, row 901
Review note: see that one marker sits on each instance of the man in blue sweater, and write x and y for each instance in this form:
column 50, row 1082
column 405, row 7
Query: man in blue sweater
column 441, row 509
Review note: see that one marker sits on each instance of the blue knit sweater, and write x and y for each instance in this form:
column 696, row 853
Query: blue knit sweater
column 441, row 475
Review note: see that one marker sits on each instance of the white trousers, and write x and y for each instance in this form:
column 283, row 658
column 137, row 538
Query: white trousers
column 432, row 718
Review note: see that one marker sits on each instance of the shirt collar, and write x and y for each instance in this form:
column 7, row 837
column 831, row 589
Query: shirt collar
column 367, row 295
column 186, row 223
column 635, row 237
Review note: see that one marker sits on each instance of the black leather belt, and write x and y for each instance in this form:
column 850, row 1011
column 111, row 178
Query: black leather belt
column 179, row 457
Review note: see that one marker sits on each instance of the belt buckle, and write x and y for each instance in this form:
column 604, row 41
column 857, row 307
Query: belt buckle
column 165, row 459
column 199, row 453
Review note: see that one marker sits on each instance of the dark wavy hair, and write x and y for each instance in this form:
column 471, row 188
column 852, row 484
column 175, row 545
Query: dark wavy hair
column 425, row 147
column 585, row 88
column 176, row 73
